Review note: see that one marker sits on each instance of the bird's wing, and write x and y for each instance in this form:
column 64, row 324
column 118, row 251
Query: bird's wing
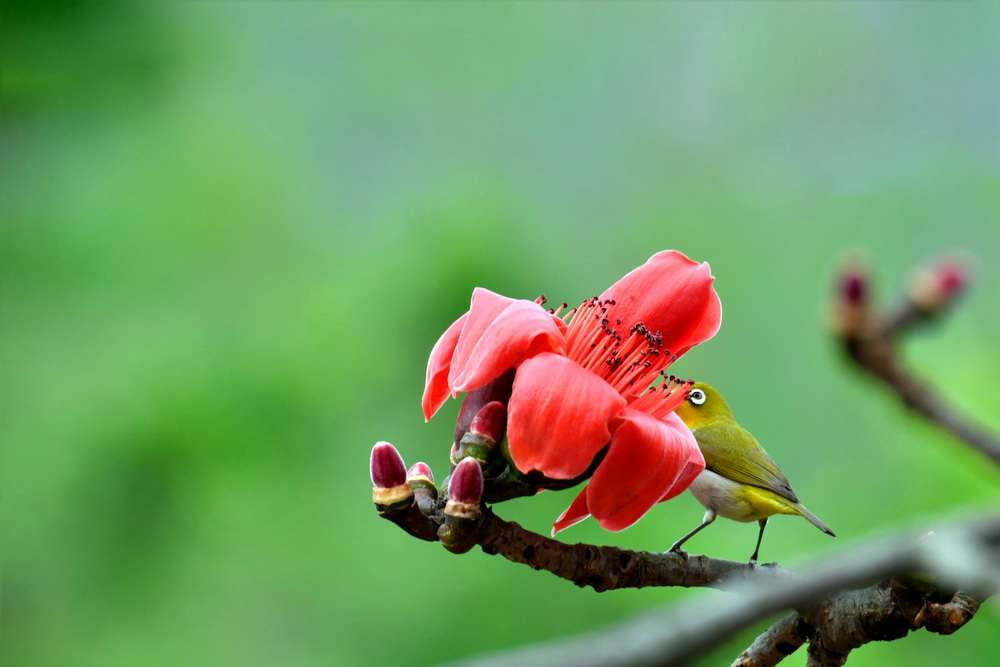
column 751, row 466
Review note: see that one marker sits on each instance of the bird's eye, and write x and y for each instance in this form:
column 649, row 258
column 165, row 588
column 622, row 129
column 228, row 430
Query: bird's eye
column 696, row 396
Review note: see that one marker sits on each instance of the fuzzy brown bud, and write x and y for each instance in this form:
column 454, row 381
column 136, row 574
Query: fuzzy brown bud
column 936, row 286
column 854, row 286
column 850, row 314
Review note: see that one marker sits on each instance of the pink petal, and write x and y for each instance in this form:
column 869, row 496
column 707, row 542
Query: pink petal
column 670, row 294
column 574, row 514
column 558, row 416
column 436, row 389
column 501, row 333
column 648, row 460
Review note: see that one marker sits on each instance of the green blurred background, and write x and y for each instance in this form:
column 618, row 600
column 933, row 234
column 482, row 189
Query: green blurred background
column 233, row 231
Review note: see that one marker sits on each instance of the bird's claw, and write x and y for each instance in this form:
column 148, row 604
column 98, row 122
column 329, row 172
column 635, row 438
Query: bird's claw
column 680, row 552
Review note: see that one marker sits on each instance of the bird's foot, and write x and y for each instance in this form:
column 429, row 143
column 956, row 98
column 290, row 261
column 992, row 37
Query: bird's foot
column 677, row 550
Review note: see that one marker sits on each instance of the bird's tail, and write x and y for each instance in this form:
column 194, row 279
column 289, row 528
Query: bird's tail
column 814, row 520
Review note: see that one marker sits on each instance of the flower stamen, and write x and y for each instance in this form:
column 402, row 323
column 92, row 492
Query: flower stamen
column 662, row 400
column 559, row 310
column 627, row 362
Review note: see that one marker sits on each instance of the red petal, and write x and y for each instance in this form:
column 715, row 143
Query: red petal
column 670, row 294
column 436, row 389
column 501, row 333
column 558, row 416
column 648, row 460
column 484, row 309
column 574, row 514
column 692, row 468
column 703, row 329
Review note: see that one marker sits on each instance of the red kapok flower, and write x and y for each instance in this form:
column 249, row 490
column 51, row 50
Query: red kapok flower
column 581, row 387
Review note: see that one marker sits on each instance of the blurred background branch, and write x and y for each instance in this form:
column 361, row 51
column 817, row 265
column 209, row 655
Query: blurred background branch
column 872, row 340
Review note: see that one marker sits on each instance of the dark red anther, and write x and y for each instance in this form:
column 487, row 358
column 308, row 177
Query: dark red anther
column 854, row 287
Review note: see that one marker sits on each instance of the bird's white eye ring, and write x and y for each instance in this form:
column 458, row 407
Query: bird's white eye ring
column 696, row 396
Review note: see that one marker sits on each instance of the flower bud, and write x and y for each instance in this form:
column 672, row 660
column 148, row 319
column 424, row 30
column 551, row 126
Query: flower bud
column 491, row 420
column 935, row 287
column 387, row 467
column 389, row 477
column 851, row 308
column 951, row 278
column 465, row 490
column 497, row 390
column 854, row 287
column 421, row 480
column 466, row 485
column 480, row 443
column 463, row 509
column 418, row 472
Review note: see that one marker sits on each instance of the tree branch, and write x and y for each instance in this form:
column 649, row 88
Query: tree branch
column 609, row 568
column 834, row 618
column 960, row 567
column 776, row 643
column 600, row 568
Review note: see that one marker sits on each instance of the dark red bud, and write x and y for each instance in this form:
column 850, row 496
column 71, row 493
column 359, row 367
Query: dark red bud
column 498, row 390
column 420, row 469
column 387, row 467
column 951, row 278
column 936, row 286
column 466, row 484
column 491, row 420
column 854, row 287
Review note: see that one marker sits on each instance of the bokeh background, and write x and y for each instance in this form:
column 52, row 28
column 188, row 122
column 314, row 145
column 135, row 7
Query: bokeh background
column 232, row 232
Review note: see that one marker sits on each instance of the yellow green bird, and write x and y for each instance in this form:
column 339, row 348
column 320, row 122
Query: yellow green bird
column 740, row 481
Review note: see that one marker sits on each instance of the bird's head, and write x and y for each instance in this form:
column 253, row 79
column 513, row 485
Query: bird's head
column 702, row 404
